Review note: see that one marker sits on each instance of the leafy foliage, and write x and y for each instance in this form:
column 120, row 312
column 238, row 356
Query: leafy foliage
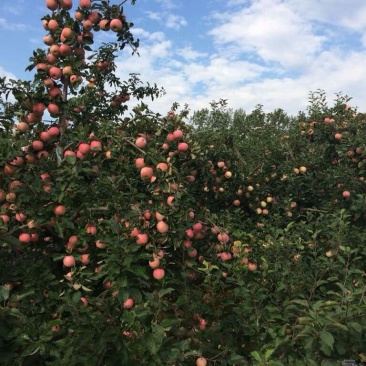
column 236, row 238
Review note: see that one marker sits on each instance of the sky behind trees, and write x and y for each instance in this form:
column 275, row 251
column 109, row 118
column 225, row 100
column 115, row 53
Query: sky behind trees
column 269, row 52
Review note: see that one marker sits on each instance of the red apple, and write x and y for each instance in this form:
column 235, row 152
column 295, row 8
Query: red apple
column 146, row 172
column 158, row 273
column 115, row 25
column 128, row 304
column 85, row 4
column 52, row 4
column 183, row 146
column 24, row 238
column 59, row 210
column 69, row 261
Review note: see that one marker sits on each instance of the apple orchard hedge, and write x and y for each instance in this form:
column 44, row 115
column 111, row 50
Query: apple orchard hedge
column 141, row 239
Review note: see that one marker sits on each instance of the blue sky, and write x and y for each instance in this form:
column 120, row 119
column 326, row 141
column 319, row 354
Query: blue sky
column 269, row 52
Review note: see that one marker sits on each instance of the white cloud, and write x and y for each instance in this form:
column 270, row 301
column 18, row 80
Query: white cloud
column 349, row 19
column 11, row 26
column 160, row 50
column 153, row 15
column 351, row 14
column 36, row 41
column 14, row 7
column 272, row 30
column 168, row 19
column 189, row 54
column 194, row 77
column 7, row 75
column 4, row 73
column 331, row 73
column 169, row 4
column 174, row 21
column 139, row 32
column 222, row 71
column 155, row 36
column 237, row 2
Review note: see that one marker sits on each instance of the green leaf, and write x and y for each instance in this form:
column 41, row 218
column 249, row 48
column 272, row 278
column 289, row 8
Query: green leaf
column 337, row 325
column 153, row 345
column 320, row 282
column 76, row 297
column 70, row 159
column 256, row 356
column 236, row 357
column 355, row 326
column 341, row 349
column 165, row 291
column 325, row 349
column 86, row 289
column 88, row 40
column 310, row 362
column 18, row 297
column 327, row 338
column 330, row 363
column 184, row 345
column 268, row 354
column 59, row 230
column 308, row 343
column 6, row 238
column 4, row 293
column 300, row 302
column 169, row 322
